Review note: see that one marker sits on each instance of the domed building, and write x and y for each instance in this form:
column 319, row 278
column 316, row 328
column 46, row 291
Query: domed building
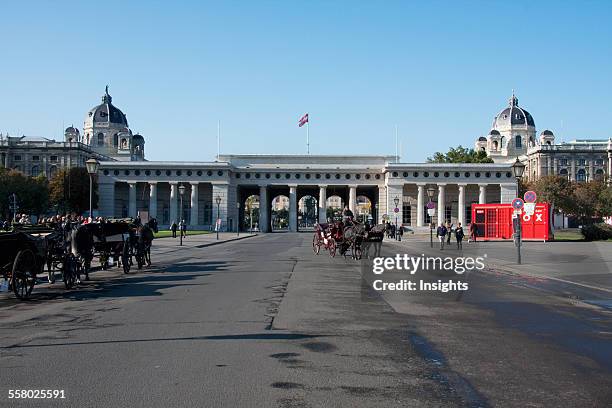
column 513, row 131
column 513, row 135
column 106, row 131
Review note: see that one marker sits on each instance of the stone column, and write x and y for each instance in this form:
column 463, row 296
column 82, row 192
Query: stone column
column 592, row 170
column 173, row 202
column 221, row 190
column 441, row 203
column 152, row 199
column 461, row 207
column 556, row 166
column 381, row 206
column 264, row 208
column 420, row 204
column 322, row 204
column 482, row 195
column 194, row 203
column 353, row 199
column 573, row 170
column 293, row 210
column 132, row 199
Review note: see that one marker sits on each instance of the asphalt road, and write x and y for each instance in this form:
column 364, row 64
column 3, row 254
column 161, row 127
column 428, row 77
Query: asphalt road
column 264, row 322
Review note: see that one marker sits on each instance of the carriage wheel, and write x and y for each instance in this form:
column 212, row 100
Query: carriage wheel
column 332, row 247
column 23, row 273
column 316, row 244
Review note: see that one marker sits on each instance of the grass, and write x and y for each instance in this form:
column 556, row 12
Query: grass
column 569, row 235
column 168, row 233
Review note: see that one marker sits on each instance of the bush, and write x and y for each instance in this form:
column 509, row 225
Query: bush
column 596, row 232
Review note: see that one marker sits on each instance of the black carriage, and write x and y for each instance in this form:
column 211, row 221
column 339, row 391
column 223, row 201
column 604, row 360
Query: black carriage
column 22, row 257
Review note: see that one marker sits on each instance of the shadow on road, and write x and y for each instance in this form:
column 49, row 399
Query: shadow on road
column 252, row 336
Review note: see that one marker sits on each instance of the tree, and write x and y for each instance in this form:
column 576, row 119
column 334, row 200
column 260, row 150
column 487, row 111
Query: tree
column 557, row 191
column 32, row 193
column 460, row 154
column 605, row 202
column 586, row 200
column 69, row 190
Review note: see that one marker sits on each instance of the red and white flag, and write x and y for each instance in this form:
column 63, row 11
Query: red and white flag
column 303, row 120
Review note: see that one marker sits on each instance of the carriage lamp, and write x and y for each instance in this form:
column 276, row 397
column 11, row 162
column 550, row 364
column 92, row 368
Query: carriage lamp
column 518, row 169
column 182, row 223
column 218, row 226
column 92, row 168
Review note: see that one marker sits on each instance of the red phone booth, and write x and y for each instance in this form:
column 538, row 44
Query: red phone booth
column 494, row 222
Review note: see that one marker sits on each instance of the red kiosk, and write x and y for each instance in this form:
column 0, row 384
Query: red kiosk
column 494, row 222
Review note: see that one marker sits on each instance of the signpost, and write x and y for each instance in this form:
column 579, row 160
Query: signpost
column 518, row 205
column 431, row 211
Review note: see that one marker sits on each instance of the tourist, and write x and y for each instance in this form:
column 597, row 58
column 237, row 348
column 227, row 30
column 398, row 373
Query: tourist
column 441, row 234
column 473, row 231
column 459, row 236
column 173, row 229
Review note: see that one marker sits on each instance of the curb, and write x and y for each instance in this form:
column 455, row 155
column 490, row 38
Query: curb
column 225, row 241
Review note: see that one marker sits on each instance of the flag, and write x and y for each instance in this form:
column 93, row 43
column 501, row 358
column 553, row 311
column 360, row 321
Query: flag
column 303, row 120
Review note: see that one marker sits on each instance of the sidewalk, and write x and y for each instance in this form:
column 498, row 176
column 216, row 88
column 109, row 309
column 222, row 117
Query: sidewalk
column 162, row 247
column 585, row 264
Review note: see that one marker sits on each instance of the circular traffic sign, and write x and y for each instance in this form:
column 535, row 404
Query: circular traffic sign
column 431, row 205
column 530, row 197
column 517, row 203
column 396, row 210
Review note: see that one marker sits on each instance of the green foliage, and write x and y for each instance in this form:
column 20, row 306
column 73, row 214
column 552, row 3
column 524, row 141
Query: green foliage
column 32, row 193
column 460, row 154
column 555, row 190
column 69, row 190
column 596, row 232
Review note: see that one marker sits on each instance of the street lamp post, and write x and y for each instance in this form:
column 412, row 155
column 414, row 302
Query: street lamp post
column 238, row 219
column 181, row 193
column 518, row 169
column 430, row 193
column 92, row 168
column 396, row 201
column 218, row 201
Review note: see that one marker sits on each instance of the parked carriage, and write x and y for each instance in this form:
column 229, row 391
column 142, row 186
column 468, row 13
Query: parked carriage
column 352, row 239
column 22, row 257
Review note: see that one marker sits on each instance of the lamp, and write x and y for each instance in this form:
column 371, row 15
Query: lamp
column 92, row 168
column 518, row 169
column 218, row 226
column 181, row 189
column 430, row 192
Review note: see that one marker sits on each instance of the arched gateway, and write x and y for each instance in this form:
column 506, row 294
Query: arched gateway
column 244, row 191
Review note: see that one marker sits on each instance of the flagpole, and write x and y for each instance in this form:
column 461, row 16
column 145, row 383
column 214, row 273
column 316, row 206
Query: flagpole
column 396, row 153
column 218, row 139
column 308, row 136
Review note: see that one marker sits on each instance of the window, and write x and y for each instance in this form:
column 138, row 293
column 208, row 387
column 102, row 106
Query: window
column 563, row 162
column 581, row 175
column 599, row 162
column 17, row 157
column 518, row 142
column 581, row 162
column 100, row 139
column 495, row 145
column 35, row 171
column 599, row 173
column 563, row 172
column 116, row 139
column 53, row 159
column 53, row 170
column 35, row 158
column 406, row 214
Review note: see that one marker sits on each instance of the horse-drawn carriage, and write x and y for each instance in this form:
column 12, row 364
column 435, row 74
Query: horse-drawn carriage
column 21, row 259
column 351, row 238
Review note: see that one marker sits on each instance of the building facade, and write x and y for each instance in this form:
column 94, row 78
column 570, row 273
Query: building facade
column 513, row 134
column 219, row 190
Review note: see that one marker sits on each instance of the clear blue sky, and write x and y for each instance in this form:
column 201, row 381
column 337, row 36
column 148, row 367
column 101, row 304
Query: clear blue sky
column 439, row 70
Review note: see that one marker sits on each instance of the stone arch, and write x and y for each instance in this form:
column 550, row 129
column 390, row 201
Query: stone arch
column 250, row 216
column 280, row 212
column 335, row 204
column 363, row 209
column 308, row 211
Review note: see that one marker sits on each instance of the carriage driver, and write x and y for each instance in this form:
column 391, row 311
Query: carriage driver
column 347, row 215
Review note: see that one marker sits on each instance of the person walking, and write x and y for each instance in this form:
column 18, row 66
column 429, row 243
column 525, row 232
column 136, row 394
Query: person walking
column 183, row 228
column 441, row 234
column 173, row 229
column 449, row 228
column 473, row 232
column 459, row 236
